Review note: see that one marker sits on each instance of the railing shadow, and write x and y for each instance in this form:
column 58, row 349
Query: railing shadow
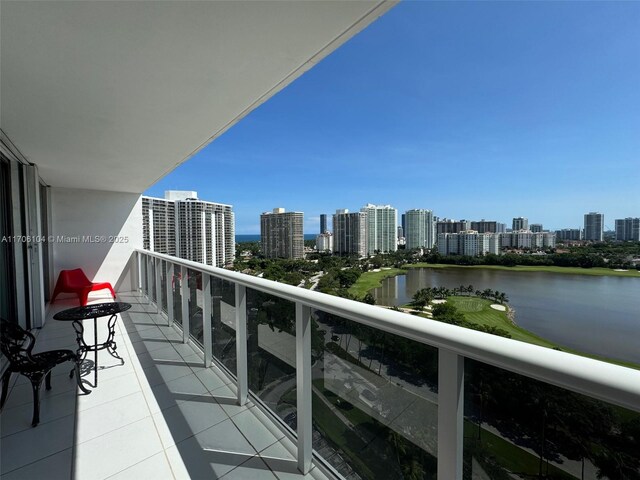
column 199, row 459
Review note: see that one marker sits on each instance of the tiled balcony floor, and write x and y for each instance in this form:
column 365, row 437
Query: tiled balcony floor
column 161, row 415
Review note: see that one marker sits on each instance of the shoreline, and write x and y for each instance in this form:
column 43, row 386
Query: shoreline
column 595, row 271
column 379, row 276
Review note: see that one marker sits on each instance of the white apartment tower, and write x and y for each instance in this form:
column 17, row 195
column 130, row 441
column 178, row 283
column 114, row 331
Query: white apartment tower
column 281, row 234
column 468, row 242
column 159, row 225
column 420, row 229
column 324, row 242
column 528, row 240
column 205, row 232
column 594, row 226
column 350, row 233
column 182, row 225
column 382, row 221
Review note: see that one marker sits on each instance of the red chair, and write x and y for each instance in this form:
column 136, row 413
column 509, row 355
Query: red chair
column 75, row 281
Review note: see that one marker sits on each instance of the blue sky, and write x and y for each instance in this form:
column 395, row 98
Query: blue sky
column 473, row 110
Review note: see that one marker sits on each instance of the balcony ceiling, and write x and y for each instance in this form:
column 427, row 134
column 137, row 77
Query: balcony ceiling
column 114, row 95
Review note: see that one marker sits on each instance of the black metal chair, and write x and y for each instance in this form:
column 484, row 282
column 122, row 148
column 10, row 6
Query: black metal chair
column 16, row 344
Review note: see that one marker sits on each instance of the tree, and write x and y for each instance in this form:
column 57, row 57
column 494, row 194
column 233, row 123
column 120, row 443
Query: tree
column 421, row 298
column 369, row 299
column 448, row 313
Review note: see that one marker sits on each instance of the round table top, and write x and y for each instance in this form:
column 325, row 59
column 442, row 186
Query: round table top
column 92, row 311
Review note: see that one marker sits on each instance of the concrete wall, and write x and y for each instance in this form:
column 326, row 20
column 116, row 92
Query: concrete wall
column 96, row 231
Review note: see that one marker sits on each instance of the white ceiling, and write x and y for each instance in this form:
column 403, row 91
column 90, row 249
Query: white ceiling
column 114, row 95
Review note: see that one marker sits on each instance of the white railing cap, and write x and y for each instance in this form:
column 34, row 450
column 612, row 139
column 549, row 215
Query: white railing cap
column 604, row 381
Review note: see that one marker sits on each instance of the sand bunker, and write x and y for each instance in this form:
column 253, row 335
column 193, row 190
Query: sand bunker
column 502, row 308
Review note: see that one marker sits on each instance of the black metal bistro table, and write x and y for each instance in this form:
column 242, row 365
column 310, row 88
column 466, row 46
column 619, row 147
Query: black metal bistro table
column 78, row 314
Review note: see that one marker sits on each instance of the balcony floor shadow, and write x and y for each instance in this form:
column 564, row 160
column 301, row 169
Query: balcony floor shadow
column 160, row 415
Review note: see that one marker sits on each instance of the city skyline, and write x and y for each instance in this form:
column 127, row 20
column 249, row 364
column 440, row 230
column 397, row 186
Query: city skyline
column 546, row 128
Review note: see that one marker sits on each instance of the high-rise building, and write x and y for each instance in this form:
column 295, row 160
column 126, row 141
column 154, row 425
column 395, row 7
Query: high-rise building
column 403, row 223
column 468, row 242
column 572, row 234
column 528, row 239
column 520, row 223
column 594, row 226
column 501, row 227
column 159, row 225
column 485, row 226
column 323, row 223
column 324, row 242
column 536, row 227
column 382, row 221
column 182, row 225
column 447, row 225
column 350, row 233
column 419, row 231
column 628, row 229
column 281, row 234
column 400, row 232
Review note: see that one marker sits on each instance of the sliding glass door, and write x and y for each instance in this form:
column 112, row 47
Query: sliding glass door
column 7, row 270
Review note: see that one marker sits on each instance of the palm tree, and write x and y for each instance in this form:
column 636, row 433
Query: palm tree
column 399, row 445
column 413, row 470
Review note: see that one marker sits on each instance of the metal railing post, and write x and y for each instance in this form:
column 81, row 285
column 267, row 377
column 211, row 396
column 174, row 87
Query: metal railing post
column 206, row 319
column 149, row 278
column 157, row 263
column 139, row 260
column 241, row 344
column 303, row 385
column 450, row 414
column 184, row 294
column 169, row 270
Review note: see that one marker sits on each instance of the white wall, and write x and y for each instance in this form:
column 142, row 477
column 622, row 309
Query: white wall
column 93, row 213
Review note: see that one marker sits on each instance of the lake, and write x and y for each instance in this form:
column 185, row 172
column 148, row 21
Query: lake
column 598, row 315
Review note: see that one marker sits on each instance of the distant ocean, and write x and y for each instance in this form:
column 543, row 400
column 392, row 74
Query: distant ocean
column 256, row 238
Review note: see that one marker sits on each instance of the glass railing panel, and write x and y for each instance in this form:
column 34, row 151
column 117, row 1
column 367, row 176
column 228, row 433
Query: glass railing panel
column 163, row 285
column 375, row 401
column 223, row 322
column 271, row 349
column 517, row 427
column 177, row 296
column 195, row 304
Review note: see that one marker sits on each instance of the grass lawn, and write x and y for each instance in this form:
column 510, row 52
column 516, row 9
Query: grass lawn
column 372, row 465
column 478, row 311
column 510, row 456
column 369, row 280
column 364, row 460
column 524, row 268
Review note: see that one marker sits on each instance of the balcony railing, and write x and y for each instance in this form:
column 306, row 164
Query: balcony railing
column 400, row 396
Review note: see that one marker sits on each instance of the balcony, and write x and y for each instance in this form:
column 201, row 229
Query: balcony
column 226, row 375
column 231, row 376
column 162, row 414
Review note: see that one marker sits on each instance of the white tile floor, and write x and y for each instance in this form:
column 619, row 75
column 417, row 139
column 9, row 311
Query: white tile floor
column 161, row 415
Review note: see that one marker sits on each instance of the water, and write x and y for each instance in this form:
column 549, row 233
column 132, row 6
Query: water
column 256, row 237
column 598, row 315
